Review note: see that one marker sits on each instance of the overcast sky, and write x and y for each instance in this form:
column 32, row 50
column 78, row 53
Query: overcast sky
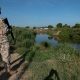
column 41, row 12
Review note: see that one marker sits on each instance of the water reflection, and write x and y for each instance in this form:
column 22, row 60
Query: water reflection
column 52, row 41
column 44, row 37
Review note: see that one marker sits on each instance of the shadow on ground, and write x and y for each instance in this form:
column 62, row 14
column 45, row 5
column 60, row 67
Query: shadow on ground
column 52, row 74
column 20, row 59
column 26, row 66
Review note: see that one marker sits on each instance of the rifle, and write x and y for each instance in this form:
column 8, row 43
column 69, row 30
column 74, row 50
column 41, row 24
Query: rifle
column 10, row 28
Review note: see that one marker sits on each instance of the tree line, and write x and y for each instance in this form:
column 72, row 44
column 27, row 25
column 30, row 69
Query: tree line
column 59, row 25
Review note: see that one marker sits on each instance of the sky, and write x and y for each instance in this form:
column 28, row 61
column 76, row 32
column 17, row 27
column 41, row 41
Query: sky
column 41, row 12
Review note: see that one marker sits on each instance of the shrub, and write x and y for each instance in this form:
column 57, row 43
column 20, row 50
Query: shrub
column 45, row 44
column 24, row 38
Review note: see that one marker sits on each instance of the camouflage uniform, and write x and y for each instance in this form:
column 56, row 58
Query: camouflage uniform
column 4, row 44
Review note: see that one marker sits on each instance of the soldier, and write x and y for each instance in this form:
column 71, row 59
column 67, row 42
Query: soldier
column 4, row 45
column 5, row 29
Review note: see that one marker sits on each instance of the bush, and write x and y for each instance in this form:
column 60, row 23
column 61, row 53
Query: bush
column 45, row 44
column 70, row 35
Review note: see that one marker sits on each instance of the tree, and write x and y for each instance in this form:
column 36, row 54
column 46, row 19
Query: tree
column 66, row 26
column 34, row 27
column 76, row 26
column 50, row 26
column 27, row 27
column 59, row 25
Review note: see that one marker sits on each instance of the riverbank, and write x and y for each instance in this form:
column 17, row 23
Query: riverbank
column 65, row 34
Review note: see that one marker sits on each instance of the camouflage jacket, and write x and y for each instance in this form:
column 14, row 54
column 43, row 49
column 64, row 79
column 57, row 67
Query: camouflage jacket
column 3, row 32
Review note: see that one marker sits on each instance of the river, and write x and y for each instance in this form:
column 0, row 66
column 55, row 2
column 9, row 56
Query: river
column 44, row 37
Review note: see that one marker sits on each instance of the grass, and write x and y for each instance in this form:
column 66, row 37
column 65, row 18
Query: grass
column 64, row 59
column 42, row 58
column 66, row 70
column 60, row 52
column 24, row 39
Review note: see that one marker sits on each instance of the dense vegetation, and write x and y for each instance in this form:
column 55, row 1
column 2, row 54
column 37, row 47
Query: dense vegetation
column 42, row 58
column 24, row 39
column 62, row 58
column 70, row 34
column 66, row 33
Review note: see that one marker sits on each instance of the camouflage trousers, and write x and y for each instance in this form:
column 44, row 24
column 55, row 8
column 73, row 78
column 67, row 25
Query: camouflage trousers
column 4, row 51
